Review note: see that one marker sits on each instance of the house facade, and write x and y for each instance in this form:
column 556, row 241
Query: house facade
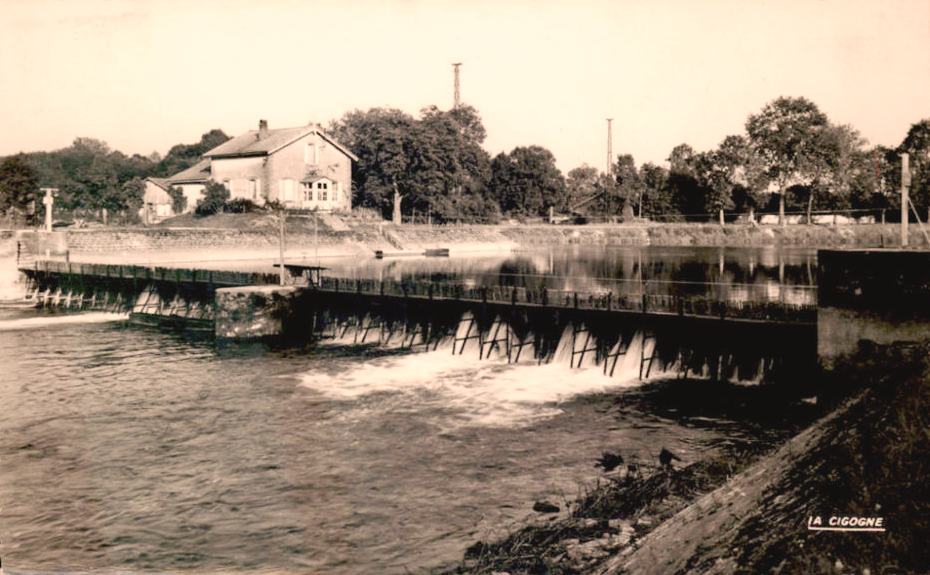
column 302, row 168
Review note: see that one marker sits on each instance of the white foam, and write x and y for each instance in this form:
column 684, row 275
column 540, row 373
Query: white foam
column 488, row 392
column 57, row 320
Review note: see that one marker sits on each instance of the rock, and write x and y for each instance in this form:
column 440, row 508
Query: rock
column 587, row 523
column 581, row 553
column 545, row 507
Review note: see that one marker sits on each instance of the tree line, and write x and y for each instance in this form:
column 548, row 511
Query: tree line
column 790, row 157
column 91, row 178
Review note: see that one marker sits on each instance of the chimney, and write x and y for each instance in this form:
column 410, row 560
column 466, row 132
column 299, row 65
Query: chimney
column 262, row 129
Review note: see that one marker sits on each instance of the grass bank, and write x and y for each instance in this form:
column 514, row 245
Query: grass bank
column 745, row 508
column 384, row 235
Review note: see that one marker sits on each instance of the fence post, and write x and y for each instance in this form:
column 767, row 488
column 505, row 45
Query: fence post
column 545, row 296
column 576, row 299
column 645, row 306
column 513, row 296
column 610, row 296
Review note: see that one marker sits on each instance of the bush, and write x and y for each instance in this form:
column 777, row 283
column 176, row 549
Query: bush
column 178, row 200
column 214, row 198
column 240, row 206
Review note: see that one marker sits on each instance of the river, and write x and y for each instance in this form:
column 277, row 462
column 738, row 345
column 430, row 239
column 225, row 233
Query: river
column 133, row 449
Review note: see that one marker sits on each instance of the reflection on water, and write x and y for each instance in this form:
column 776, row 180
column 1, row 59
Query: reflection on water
column 734, row 274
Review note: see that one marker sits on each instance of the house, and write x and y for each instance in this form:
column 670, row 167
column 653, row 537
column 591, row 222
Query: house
column 302, row 168
column 155, row 200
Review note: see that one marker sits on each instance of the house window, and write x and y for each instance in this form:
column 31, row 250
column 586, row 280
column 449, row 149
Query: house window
column 253, row 190
column 311, row 156
column 321, row 195
column 308, row 192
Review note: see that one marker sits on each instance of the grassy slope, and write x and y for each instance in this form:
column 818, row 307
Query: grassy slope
column 366, row 229
column 868, row 458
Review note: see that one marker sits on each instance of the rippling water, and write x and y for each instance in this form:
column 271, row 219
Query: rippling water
column 127, row 448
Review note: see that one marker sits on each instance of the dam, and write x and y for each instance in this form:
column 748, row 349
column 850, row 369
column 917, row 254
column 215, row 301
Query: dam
column 689, row 335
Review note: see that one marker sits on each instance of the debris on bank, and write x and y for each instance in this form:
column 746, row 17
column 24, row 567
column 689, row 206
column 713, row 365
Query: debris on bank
column 747, row 508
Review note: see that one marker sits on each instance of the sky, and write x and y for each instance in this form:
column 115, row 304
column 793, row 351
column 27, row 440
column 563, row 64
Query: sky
column 146, row 75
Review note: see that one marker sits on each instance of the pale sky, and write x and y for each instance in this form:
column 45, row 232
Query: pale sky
column 145, row 75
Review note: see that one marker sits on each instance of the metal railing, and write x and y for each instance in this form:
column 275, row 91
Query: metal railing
column 601, row 300
column 177, row 275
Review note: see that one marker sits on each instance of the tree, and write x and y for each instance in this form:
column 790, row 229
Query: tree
column 527, row 182
column 580, row 185
column 683, row 184
column 178, row 199
column 715, row 174
column 384, row 141
column 747, row 174
column 629, row 188
column 785, row 134
column 18, row 186
column 214, row 198
column 917, row 144
column 658, row 201
column 182, row 156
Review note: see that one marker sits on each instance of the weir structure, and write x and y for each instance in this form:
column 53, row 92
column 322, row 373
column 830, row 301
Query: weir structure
column 690, row 335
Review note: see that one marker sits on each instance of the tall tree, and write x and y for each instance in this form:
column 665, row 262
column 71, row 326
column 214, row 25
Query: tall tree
column 384, row 141
column 658, row 201
column 629, row 186
column 527, row 182
column 435, row 162
column 715, row 172
column 785, row 134
column 683, row 184
column 580, row 185
column 917, row 144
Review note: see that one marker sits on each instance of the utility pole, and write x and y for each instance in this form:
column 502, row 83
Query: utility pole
column 610, row 164
column 610, row 147
column 457, row 98
column 281, row 237
column 905, row 197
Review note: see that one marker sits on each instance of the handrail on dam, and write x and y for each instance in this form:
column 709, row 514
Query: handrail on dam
column 178, row 275
column 603, row 300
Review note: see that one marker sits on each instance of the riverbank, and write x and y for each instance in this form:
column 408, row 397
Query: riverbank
column 745, row 509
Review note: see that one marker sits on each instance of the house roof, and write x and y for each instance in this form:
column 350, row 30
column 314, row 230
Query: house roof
column 199, row 172
column 249, row 144
column 160, row 182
